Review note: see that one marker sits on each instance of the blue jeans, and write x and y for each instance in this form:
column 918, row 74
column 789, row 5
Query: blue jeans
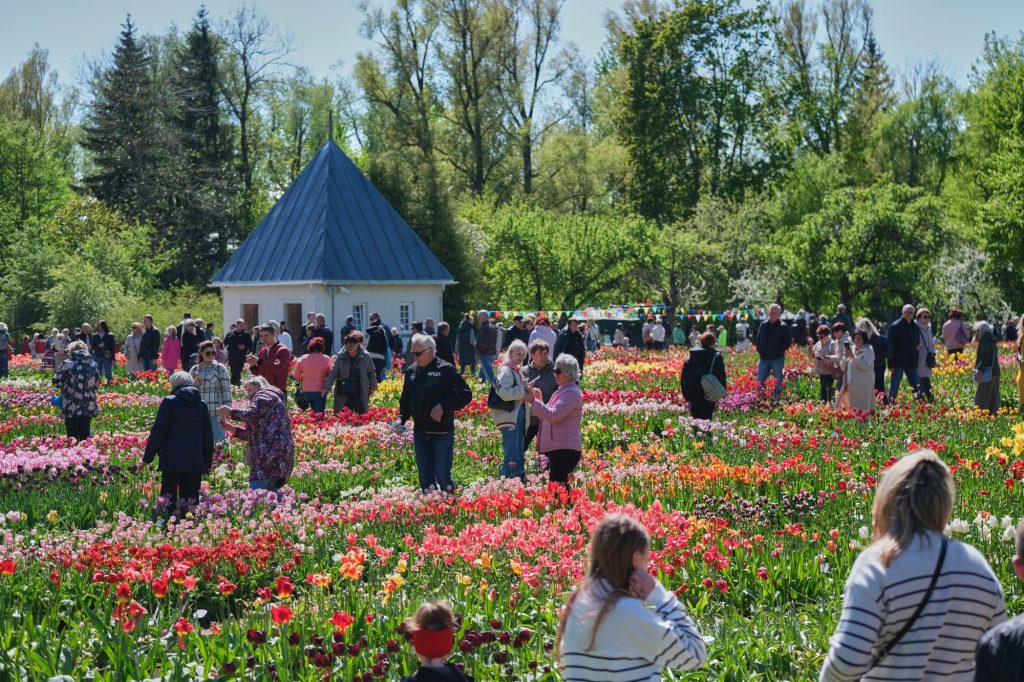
column 148, row 365
column 218, row 431
column 317, row 402
column 896, row 374
column 106, row 366
column 487, row 368
column 773, row 367
column 434, row 456
column 4, row 369
column 514, row 463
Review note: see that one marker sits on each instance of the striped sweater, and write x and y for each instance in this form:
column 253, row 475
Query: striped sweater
column 878, row 601
column 634, row 643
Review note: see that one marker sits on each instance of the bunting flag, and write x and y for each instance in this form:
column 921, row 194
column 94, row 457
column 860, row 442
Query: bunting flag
column 628, row 311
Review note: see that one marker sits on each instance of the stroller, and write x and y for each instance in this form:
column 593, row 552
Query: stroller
column 49, row 359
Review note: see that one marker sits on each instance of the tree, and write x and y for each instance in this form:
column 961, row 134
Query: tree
column 33, row 179
column 822, row 83
column 255, row 52
column 874, row 248
column 467, row 55
column 203, row 224
column 121, row 131
column 530, row 33
column 916, row 140
column 32, row 93
column 694, row 113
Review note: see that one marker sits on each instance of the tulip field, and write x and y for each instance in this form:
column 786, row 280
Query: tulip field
column 755, row 519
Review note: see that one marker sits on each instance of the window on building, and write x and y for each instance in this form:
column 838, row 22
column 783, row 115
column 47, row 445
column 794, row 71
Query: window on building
column 294, row 319
column 404, row 316
column 251, row 315
column 358, row 315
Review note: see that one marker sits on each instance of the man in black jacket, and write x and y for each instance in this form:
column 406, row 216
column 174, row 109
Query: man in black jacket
column 433, row 391
column 325, row 333
column 517, row 332
column 378, row 346
column 149, row 347
column 904, row 337
column 773, row 339
column 444, row 343
column 1000, row 653
column 239, row 345
column 570, row 340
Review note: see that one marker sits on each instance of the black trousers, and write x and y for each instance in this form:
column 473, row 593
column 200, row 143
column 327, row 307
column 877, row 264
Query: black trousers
column 235, row 367
column 561, row 463
column 827, row 391
column 180, row 485
column 531, row 433
column 353, row 401
column 78, row 428
column 700, row 407
column 926, row 389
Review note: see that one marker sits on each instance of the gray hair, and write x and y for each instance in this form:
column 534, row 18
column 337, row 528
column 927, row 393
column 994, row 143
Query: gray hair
column 567, row 365
column 257, row 381
column 76, row 345
column 518, row 347
column 866, row 325
column 276, row 325
column 443, row 326
column 982, row 327
column 321, row 318
column 179, row 379
column 424, row 341
column 3, row 327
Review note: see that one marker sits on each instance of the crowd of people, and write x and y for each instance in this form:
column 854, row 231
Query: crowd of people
column 917, row 604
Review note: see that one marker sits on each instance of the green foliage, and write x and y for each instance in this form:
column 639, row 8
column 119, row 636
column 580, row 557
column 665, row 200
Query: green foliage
column 80, row 292
column 873, row 249
column 694, row 115
column 539, row 259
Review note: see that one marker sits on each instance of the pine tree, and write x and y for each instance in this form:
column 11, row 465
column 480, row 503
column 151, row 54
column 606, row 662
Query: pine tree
column 201, row 226
column 120, row 130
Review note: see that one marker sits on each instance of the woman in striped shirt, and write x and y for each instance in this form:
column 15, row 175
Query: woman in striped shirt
column 606, row 631
column 891, row 578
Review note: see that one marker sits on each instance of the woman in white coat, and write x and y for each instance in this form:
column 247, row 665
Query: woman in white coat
column 858, row 365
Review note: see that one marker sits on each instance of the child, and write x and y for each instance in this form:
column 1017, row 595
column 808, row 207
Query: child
column 432, row 631
column 606, row 631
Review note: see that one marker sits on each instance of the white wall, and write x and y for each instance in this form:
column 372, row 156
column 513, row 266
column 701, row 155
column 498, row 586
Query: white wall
column 384, row 299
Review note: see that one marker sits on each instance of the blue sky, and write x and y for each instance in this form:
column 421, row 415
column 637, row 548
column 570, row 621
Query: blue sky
column 326, row 31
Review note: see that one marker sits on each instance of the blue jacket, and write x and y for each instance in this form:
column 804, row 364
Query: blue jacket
column 772, row 340
column 904, row 338
column 182, row 435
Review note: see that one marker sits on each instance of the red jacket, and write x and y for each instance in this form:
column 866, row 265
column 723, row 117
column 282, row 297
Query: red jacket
column 273, row 363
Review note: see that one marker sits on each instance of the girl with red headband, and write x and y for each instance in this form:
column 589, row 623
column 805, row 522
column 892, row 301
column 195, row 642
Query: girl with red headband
column 432, row 631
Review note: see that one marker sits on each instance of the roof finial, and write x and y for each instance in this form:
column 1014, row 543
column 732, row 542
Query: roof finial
column 330, row 125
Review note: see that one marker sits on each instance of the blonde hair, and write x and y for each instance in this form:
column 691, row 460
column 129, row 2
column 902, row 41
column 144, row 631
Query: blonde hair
column 518, row 347
column 914, row 495
column 612, row 546
column 76, row 345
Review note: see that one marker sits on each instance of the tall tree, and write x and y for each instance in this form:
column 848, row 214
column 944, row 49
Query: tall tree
column 694, row 113
column 467, row 50
column 822, row 81
column 203, row 224
column 32, row 93
column 121, row 131
column 255, row 51
column 525, row 59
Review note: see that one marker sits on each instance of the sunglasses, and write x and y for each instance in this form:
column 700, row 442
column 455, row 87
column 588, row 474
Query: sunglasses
column 557, row 371
column 351, row 342
column 417, row 353
column 208, row 354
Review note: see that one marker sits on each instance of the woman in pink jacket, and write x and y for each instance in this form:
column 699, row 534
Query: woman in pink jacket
column 560, row 437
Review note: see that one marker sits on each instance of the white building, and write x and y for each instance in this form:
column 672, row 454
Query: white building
column 332, row 244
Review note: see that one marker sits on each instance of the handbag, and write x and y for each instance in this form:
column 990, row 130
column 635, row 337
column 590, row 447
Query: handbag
column 300, row 398
column 929, row 360
column 884, row 650
column 496, row 402
column 985, row 376
column 713, row 388
column 349, row 386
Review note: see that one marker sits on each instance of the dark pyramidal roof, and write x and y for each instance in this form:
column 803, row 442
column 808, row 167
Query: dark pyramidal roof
column 333, row 227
